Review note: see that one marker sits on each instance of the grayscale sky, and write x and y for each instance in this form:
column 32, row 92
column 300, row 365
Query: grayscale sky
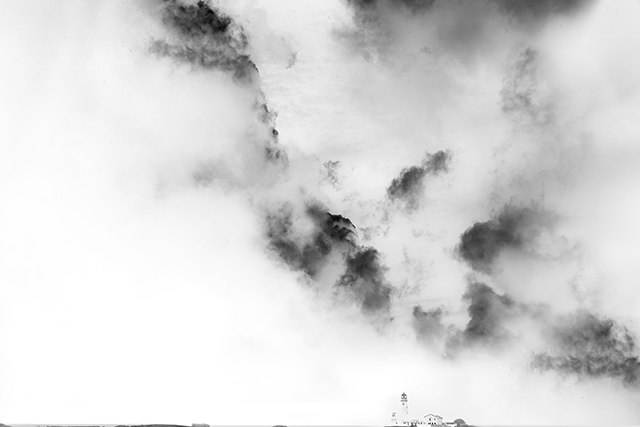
column 292, row 211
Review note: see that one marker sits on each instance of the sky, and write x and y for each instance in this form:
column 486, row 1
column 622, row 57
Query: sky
column 290, row 212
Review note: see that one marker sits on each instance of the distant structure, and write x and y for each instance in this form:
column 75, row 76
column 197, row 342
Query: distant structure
column 433, row 420
column 405, row 420
column 405, row 406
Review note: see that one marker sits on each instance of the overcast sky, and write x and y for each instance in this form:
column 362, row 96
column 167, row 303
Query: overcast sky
column 290, row 212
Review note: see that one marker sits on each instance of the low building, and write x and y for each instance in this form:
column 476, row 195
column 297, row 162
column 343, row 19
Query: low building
column 433, row 420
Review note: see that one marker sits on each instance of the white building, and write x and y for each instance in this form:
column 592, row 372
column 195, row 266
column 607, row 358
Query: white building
column 404, row 414
column 402, row 418
column 433, row 420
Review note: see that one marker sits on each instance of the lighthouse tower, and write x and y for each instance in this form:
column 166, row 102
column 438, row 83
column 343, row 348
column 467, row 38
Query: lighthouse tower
column 404, row 413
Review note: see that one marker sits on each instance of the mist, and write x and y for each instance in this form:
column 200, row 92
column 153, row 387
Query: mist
column 251, row 212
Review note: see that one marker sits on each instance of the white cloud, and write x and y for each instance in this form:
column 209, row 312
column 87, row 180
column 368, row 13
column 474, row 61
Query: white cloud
column 132, row 292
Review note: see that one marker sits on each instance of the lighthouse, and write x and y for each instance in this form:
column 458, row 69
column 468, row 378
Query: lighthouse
column 404, row 414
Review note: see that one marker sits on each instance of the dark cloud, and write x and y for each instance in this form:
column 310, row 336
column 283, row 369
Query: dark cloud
column 536, row 10
column 241, row 66
column 581, row 344
column 522, row 11
column 417, row 5
column 437, row 162
column 428, row 324
column 362, row 3
column 481, row 243
column 591, row 347
column 205, row 38
column 194, row 20
column 364, row 275
column 487, row 311
column 413, row 5
column 197, row 20
column 428, row 28
column 409, row 185
column 281, row 237
column 339, row 228
column 307, row 253
column 465, row 29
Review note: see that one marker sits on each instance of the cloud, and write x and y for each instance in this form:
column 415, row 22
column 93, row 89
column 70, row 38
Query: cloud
column 512, row 228
column 486, row 311
column 307, row 249
column 491, row 325
column 206, row 38
column 364, row 276
column 590, row 346
column 408, row 186
column 579, row 343
column 530, row 10
column 414, row 6
column 428, row 324
column 524, row 95
column 332, row 174
column 467, row 31
column 522, row 10
column 315, row 240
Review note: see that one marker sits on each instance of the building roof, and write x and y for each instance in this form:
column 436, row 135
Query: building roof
column 433, row 415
